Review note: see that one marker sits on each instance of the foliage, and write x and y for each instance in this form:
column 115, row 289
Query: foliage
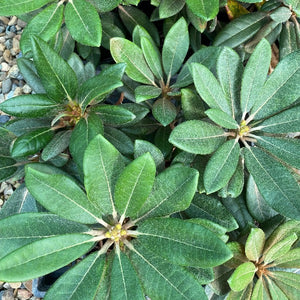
column 160, row 149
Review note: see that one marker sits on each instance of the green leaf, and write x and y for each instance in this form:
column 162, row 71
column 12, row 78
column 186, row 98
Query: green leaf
column 259, row 290
column 209, row 88
column 85, row 130
column 72, row 284
column 197, row 137
column 21, row 229
column 275, row 292
column 243, row 294
column 8, row 167
column 58, row 78
column 255, row 75
column 221, row 118
column 119, row 139
column 77, row 65
column 287, row 149
column 175, row 196
column 280, row 248
column 288, row 283
column 229, row 70
column 161, row 140
column 168, row 8
column 281, row 89
column 124, row 281
column 44, row 25
column 86, row 31
column 205, row 56
column 57, row 145
column 290, row 260
column 276, row 184
column 67, row 198
column 295, row 5
column 207, row 207
column 146, row 92
column 132, row 16
column 239, row 256
column 255, row 244
column 161, row 279
column 152, row 57
column 164, row 111
column 31, row 106
column 98, row 87
column 105, row 6
column 241, row 29
column 192, row 105
column 140, row 32
column 30, row 75
column 256, row 204
column 203, row 8
column 100, row 182
column 137, row 69
column 288, row 39
column 114, row 114
column 281, row 14
column 175, row 50
column 221, row 166
column 134, row 185
column 194, row 245
column 242, row 276
column 286, row 121
column 43, row 256
column 141, row 147
column 32, row 142
column 18, row 7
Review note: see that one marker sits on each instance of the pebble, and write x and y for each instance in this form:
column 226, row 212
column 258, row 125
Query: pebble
column 6, row 86
column 7, row 56
column 3, row 119
column 14, row 72
column 2, row 47
column 8, row 44
column 23, row 294
column 26, row 89
column 2, row 75
column 12, row 21
column 8, row 295
column 17, row 91
column 4, row 20
column 4, row 67
column 2, row 28
column 21, row 23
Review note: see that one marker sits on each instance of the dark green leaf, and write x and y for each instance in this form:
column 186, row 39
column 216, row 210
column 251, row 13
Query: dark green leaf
column 288, row 41
column 204, row 9
column 43, row 256
column 197, row 137
column 161, row 140
column 32, row 106
column 221, row 166
column 67, row 198
column 18, row 7
column 182, row 242
column 221, row 118
column 164, row 111
column 168, row 8
column 276, row 184
column 77, row 65
column 192, row 105
column 281, row 14
column 85, row 30
column 146, row 92
column 175, row 196
column 100, row 182
column 58, row 78
column 140, row 32
column 8, row 167
column 32, row 142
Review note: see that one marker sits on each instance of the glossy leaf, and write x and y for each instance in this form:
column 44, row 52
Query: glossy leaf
column 241, row 29
column 134, row 185
column 204, row 9
column 22, row 229
column 221, row 118
column 242, row 276
column 175, row 196
column 100, row 181
column 58, row 78
column 43, row 256
column 192, row 105
column 137, row 69
column 274, row 181
column 255, row 244
column 197, row 137
column 161, row 140
column 175, row 50
column 161, row 279
column 168, row 8
column 32, row 142
column 67, row 198
column 164, row 111
column 17, row 7
column 280, row 90
column 194, row 244
column 85, row 130
column 30, row 106
column 229, row 70
column 98, row 87
column 146, row 92
column 255, row 75
column 8, row 167
column 44, row 25
column 209, row 88
column 124, row 281
column 221, row 166
column 73, row 283
column 284, row 122
column 140, row 32
column 85, row 30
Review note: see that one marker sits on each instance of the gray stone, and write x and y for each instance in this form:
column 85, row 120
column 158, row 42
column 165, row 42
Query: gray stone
column 8, row 44
column 10, row 95
column 4, row 119
column 1, row 98
column 21, row 23
column 14, row 72
column 2, row 28
column 8, row 295
column 6, row 86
